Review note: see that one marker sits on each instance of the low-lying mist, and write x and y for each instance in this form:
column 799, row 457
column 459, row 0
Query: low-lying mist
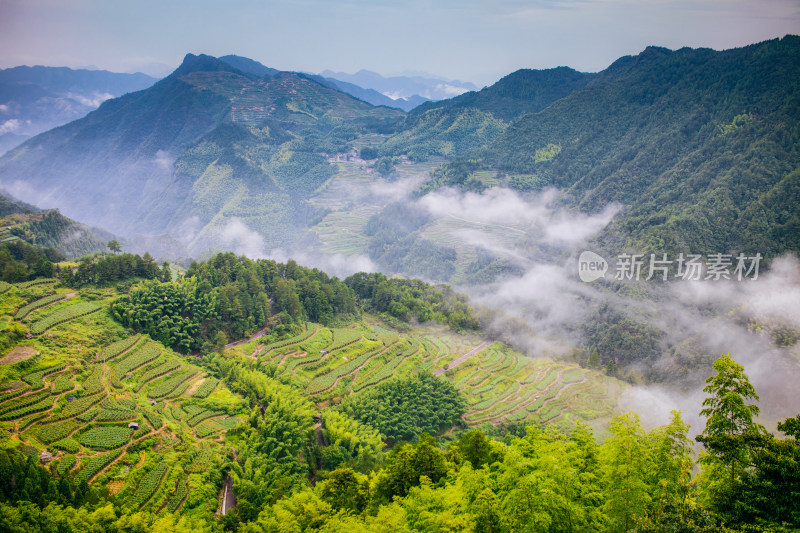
column 544, row 309
column 535, row 300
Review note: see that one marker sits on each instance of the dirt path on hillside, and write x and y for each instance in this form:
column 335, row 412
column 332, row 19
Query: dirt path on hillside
column 254, row 336
column 482, row 346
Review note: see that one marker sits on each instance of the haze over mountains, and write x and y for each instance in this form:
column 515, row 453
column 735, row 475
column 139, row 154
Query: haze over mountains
column 405, row 92
column 688, row 151
column 36, row 99
column 212, row 141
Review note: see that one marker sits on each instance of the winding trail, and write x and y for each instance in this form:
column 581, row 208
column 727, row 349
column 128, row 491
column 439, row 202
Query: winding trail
column 254, row 336
column 482, row 346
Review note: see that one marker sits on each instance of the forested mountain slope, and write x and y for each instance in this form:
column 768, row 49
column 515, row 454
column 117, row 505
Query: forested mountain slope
column 21, row 222
column 702, row 147
column 255, row 140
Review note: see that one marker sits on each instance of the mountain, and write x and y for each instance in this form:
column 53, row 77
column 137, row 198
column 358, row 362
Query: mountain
column 36, row 99
column 370, row 96
column 697, row 145
column 474, row 119
column 374, row 97
column 404, row 86
column 47, row 228
column 208, row 144
column 11, row 206
column 701, row 147
column 248, row 65
column 523, row 91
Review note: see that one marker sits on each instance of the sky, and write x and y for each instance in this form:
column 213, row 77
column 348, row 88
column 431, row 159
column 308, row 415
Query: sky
column 468, row 40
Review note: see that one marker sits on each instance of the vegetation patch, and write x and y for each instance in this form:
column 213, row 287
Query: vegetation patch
column 107, row 437
column 41, row 302
column 63, row 315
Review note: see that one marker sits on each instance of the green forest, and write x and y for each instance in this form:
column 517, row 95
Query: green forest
column 214, row 392
column 404, row 450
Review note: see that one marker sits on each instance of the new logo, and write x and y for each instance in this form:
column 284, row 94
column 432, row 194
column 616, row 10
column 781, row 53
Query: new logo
column 591, row 267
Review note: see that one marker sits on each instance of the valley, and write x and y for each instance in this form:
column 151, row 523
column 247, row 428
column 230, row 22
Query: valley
column 247, row 299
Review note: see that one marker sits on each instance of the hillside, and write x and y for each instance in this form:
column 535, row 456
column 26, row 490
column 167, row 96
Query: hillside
column 97, row 360
column 331, row 422
column 370, row 96
column 142, row 156
column 21, row 222
column 699, row 146
column 36, row 99
column 521, row 92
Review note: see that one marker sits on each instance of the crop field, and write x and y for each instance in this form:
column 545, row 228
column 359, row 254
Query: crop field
column 87, row 379
column 63, row 314
column 500, row 384
column 36, row 304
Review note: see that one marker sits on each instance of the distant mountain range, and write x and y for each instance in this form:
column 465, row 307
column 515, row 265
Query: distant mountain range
column 207, row 143
column 36, row 99
column 406, row 87
column 700, row 147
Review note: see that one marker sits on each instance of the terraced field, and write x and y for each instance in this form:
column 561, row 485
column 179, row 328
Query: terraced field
column 501, row 385
column 354, row 195
column 85, row 380
column 77, row 392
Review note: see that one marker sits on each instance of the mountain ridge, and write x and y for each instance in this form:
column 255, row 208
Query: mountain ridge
column 36, row 99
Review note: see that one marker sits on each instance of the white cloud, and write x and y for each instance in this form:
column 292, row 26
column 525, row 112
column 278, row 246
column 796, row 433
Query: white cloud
column 91, row 101
column 450, row 90
column 503, row 209
column 164, row 160
column 241, row 239
column 10, row 126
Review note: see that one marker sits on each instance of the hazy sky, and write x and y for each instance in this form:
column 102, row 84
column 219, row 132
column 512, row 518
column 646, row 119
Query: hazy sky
column 471, row 40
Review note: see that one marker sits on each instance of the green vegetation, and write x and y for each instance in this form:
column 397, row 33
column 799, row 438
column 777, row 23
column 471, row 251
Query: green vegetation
column 113, row 350
column 108, row 437
column 207, row 387
column 57, row 431
column 402, row 409
column 51, row 229
column 80, row 405
column 507, row 442
column 405, row 299
column 95, row 465
column 68, row 445
column 133, row 360
column 41, row 302
column 20, row 262
column 66, row 464
column 62, row 383
column 148, row 486
column 115, row 268
column 62, row 315
column 35, row 379
column 170, row 384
